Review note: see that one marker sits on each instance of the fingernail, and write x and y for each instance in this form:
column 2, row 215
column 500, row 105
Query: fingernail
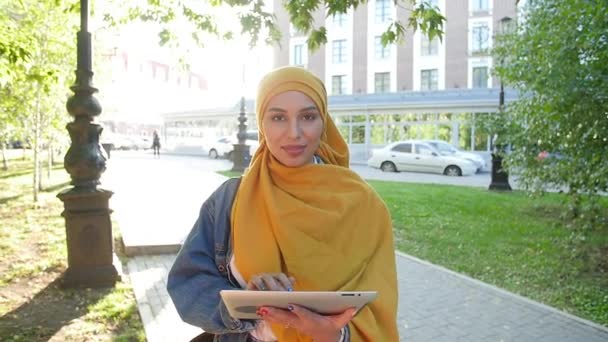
column 263, row 312
column 290, row 307
column 289, row 289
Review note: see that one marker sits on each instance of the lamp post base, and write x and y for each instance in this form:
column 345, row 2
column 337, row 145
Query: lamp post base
column 500, row 186
column 101, row 276
column 500, row 178
column 240, row 157
column 91, row 261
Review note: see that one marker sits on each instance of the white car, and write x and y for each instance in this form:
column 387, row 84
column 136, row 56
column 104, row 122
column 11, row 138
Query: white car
column 220, row 147
column 447, row 149
column 224, row 146
column 413, row 155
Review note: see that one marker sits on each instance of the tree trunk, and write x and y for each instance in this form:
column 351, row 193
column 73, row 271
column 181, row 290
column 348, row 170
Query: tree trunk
column 36, row 180
column 50, row 161
column 4, row 160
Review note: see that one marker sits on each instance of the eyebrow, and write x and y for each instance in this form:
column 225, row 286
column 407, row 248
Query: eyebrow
column 276, row 109
column 308, row 108
column 281, row 110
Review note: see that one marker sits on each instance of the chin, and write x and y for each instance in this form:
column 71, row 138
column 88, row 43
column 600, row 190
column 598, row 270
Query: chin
column 295, row 162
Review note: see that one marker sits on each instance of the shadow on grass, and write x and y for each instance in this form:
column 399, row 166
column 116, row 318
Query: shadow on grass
column 23, row 172
column 48, row 311
column 8, row 199
column 57, row 187
column 52, row 188
column 54, row 308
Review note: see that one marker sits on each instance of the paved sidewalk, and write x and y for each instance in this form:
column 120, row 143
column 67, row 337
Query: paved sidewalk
column 158, row 202
column 435, row 304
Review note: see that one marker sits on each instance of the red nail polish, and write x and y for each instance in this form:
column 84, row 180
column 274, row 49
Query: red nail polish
column 262, row 312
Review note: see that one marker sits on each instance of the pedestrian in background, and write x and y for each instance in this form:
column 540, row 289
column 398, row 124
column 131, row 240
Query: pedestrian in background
column 156, row 143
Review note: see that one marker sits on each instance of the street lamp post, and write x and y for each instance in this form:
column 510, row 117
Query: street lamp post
column 86, row 207
column 500, row 177
column 241, row 156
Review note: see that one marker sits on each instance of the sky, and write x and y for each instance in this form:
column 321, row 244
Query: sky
column 230, row 68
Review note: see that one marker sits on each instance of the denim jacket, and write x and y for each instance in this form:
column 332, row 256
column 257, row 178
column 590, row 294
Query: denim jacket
column 201, row 270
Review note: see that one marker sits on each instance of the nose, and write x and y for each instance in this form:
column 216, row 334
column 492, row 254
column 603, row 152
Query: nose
column 295, row 131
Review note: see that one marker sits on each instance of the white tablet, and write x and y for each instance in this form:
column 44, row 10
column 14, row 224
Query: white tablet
column 243, row 304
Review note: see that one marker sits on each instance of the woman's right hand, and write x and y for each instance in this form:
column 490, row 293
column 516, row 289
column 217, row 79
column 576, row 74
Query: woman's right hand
column 271, row 282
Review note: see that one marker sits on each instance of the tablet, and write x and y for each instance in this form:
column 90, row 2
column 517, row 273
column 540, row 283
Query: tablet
column 243, row 304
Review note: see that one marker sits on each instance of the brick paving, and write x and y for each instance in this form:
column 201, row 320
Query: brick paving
column 435, row 304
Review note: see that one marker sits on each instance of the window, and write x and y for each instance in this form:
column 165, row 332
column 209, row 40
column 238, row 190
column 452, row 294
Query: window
column 338, row 84
column 298, row 54
column 424, row 150
column 339, row 19
column 480, row 38
column 382, row 82
column 428, row 79
column 480, row 77
column 404, row 148
column 338, row 51
column 381, row 52
column 480, row 5
column 383, row 11
column 434, row 3
column 429, row 47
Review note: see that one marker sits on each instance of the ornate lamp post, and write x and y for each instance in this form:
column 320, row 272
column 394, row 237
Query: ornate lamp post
column 241, row 156
column 87, row 213
column 500, row 177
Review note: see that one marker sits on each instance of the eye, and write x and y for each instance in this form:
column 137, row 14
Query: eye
column 277, row 117
column 310, row 116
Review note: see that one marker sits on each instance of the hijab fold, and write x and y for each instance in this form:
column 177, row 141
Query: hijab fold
column 322, row 224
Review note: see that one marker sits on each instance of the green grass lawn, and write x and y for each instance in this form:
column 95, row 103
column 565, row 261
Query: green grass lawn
column 506, row 239
column 32, row 258
column 230, row 174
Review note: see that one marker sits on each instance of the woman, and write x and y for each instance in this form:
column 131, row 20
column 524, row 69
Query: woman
column 299, row 219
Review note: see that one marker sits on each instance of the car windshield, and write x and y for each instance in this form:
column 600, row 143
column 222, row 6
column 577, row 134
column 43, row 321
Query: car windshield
column 444, row 148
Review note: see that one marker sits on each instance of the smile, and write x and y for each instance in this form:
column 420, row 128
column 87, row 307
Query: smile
column 294, row 150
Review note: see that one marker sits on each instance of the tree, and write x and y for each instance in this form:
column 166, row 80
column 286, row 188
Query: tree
column 36, row 88
column 557, row 59
column 256, row 21
column 13, row 45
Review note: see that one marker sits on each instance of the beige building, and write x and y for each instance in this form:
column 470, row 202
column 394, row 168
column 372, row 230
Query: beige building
column 354, row 61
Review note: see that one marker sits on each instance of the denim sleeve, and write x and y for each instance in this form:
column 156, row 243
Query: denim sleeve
column 194, row 282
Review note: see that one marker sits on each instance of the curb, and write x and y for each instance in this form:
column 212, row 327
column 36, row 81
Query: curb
column 149, row 250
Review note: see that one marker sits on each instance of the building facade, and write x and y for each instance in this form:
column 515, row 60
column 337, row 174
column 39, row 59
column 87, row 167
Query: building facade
column 354, row 61
column 445, row 78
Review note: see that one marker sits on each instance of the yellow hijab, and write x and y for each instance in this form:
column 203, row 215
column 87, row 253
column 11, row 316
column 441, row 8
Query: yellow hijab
column 321, row 224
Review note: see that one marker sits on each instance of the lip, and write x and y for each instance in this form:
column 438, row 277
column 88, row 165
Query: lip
column 294, row 150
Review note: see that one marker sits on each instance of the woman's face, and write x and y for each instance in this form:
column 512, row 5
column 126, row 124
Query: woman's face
column 293, row 127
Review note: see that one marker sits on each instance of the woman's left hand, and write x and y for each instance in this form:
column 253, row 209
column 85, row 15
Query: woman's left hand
column 320, row 327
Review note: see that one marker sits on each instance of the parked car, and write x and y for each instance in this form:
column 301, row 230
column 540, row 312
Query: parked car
column 549, row 156
column 141, row 143
column 418, row 156
column 223, row 147
column 448, row 149
column 219, row 147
